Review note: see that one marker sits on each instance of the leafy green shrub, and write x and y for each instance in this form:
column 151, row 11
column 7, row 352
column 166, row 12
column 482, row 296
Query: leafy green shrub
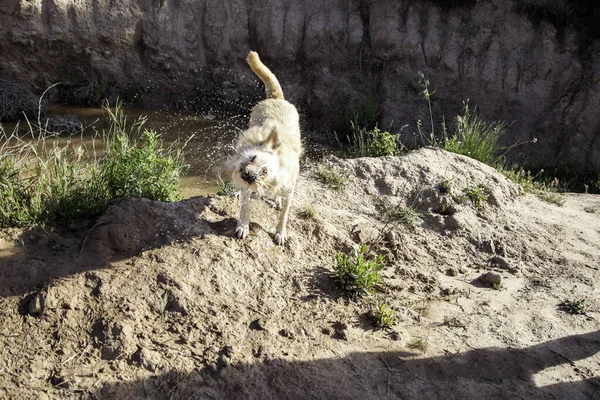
column 135, row 164
column 358, row 274
column 372, row 143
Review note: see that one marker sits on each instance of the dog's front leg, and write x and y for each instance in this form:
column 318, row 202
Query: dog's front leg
column 283, row 217
column 242, row 229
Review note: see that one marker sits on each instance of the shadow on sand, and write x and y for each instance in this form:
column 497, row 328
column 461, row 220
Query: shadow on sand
column 491, row 373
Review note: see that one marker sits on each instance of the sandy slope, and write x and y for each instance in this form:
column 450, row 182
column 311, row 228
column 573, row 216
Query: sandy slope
column 157, row 300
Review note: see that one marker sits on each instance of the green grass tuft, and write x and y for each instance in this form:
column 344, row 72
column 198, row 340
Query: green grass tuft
column 333, row 176
column 404, row 214
column 45, row 181
column 475, row 137
column 308, row 212
column 477, row 195
column 536, row 184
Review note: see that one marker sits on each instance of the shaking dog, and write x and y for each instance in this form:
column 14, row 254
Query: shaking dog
column 267, row 160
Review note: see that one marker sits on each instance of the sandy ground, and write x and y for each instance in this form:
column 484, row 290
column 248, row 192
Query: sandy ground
column 158, row 300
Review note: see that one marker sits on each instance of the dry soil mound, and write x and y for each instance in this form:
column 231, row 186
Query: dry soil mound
column 157, row 300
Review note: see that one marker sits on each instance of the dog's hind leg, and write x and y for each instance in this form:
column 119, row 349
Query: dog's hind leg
column 242, row 229
column 280, row 234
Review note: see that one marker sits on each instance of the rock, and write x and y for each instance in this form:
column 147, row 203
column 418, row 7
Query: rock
column 36, row 304
column 491, row 278
column 150, row 359
column 365, row 232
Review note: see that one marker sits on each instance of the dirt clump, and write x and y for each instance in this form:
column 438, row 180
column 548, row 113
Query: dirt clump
column 158, row 300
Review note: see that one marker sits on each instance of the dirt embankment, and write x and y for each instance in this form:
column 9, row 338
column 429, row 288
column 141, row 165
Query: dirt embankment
column 158, row 300
column 543, row 80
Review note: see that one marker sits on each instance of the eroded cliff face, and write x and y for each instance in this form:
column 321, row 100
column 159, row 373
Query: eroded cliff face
column 546, row 82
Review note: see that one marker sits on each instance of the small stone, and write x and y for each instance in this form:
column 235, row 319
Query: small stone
column 491, row 278
column 451, row 272
column 150, row 359
column 36, row 304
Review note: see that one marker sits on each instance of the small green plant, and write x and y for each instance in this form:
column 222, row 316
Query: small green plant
column 225, row 188
column 497, row 286
column 552, row 197
column 535, row 184
column 573, row 306
column 308, row 212
column 430, row 139
column 404, row 214
column 444, row 186
column 358, row 273
column 374, row 142
column 384, row 317
column 477, row 195
column 333, row 176
column 417, row 344
column 475, row 137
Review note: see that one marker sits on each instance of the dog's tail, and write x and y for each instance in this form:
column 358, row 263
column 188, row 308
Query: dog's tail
column 272, row 85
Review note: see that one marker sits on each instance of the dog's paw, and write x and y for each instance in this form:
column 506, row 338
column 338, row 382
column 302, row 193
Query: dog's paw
column 279, row 238
column 241, row 231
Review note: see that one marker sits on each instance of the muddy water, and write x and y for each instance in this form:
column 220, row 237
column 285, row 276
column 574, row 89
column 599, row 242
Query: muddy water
column 206, row 141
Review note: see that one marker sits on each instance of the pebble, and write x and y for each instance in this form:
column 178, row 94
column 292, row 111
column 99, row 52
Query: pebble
column 492, row 278
column 36, row 304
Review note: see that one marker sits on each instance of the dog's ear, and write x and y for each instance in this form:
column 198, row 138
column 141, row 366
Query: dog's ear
column 273, row 140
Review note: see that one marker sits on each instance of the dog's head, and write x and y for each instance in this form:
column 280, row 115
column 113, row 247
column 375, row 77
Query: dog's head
column 255, row 166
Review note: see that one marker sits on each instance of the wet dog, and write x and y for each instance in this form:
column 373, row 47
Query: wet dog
column 267, row 159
